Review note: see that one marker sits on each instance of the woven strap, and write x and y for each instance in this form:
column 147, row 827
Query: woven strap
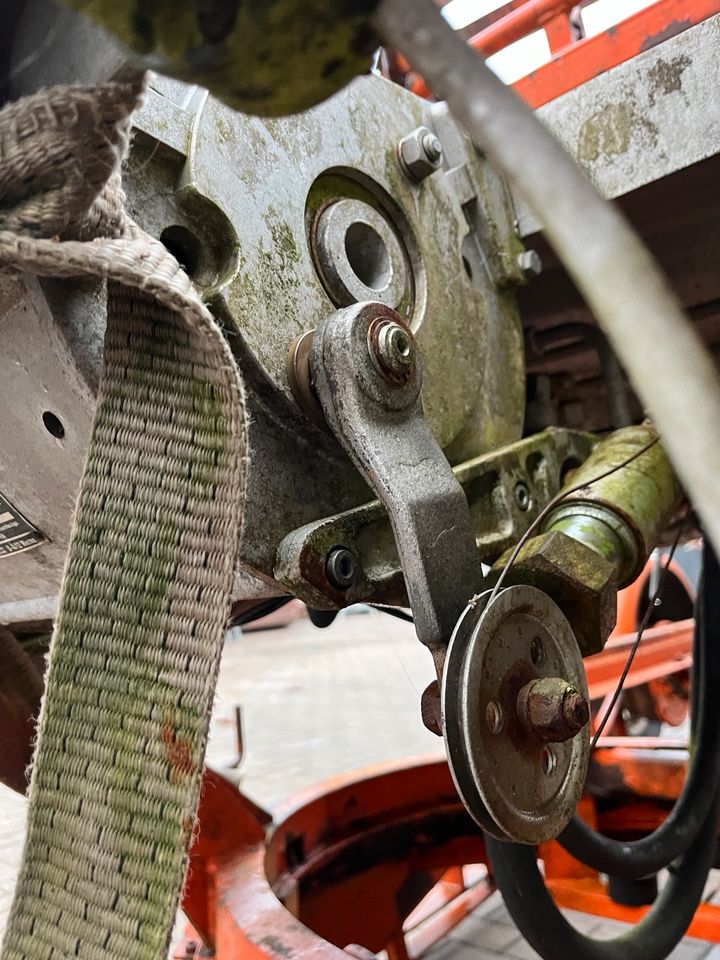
column 147, row 583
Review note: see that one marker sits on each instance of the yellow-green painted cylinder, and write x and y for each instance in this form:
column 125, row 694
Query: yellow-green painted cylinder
column 622, row 515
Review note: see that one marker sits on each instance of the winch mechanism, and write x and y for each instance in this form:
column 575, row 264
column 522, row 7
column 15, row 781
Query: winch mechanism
column 362, row 258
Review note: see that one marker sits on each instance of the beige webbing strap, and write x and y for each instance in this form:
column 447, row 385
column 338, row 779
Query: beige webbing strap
column 147, row 583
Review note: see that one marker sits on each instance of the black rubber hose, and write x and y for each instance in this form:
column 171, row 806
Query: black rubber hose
column 648, row 855
column 532, row 908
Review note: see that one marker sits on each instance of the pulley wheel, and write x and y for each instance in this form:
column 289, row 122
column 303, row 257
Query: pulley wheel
column 519, row 781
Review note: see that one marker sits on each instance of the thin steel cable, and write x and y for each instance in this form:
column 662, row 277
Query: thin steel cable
column 557, row 499
column 641, row 630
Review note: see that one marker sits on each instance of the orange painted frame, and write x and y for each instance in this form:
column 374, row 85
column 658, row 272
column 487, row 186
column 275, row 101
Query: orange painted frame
column 574, row 62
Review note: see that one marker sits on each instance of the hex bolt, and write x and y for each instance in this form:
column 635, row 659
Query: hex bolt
column 420, row 154
column 341, row 568
column 430, row 710
column 392, row 349
column 522, row 496
column 530, row 264
column 494, row 717
column 552, row 709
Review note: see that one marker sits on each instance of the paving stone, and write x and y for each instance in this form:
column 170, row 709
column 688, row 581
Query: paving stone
column 500, row 914
column 457, row 950
column 479, row 931
column 607, row 929
column 522, row 951
column 583, row 922
column 690, row 949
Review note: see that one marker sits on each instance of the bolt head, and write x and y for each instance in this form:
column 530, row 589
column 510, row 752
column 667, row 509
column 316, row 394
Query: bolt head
column 341, row 568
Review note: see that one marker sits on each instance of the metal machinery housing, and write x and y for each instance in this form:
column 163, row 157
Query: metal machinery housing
column 435, row 419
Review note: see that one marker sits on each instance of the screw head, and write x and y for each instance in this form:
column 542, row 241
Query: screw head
column 392, row 349
column 522, row 496
column 341, row 568
column 494, row 717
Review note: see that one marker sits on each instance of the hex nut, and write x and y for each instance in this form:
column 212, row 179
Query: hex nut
column 420, row 154
column 579, row 580
column 392, row 349
column 552, row 709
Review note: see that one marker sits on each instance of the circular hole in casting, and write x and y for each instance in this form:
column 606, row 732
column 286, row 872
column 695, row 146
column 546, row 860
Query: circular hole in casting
column 53, row 425
column 548, row 761
column 184, row 246
column 537, row 651
column 368, row 255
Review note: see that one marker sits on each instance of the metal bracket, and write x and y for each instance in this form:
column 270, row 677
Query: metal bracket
column 505, row 489
column 367, row 378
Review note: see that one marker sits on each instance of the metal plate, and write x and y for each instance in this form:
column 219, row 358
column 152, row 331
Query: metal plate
column 527, row 789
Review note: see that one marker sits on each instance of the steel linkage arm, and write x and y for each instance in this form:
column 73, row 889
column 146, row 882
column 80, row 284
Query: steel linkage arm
column 366, row 374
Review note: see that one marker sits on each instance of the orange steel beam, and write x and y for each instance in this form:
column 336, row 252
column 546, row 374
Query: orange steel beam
column 574, row 62
column 518, row 24
column 664, row 649
column 589, row 896
column 591, row 56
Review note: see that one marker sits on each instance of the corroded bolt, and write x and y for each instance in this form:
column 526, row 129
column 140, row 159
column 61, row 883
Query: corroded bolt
column 392, row 349
column 552, row 709
column 430, row 710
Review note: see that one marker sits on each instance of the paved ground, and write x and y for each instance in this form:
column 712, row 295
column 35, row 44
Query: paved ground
column 320, row 702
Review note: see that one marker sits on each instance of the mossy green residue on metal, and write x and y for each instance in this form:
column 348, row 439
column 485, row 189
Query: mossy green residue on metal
column 269, row 57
